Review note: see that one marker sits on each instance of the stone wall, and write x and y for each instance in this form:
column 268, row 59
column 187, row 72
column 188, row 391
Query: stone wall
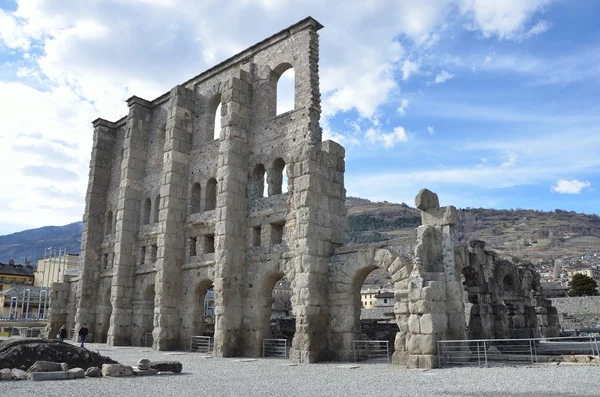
column 577, row 305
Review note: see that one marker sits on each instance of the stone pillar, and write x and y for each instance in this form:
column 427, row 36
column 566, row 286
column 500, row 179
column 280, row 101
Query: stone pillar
column 93, row 222
column 232, row 210
column 434, row 293
column 171, row 239
column 135, row 147
column 58, row 312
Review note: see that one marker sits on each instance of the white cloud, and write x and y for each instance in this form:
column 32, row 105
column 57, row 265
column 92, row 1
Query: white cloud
column 505, row 19
column 409, row 68
column 403, row 106
column 442, row 77
column 574, row 186
column 387, row 139
column 511, row 160
column 431, row 130
column 538, row 28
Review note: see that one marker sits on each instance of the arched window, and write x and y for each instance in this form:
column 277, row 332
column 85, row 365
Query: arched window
column 211, row 195
column 275, row 177
column 256, row 182
column 508, row 283
column 109, row 223
column 284, row 78
column 213, row 118
column 195, row 199
column 156, row 209
column 146, row 211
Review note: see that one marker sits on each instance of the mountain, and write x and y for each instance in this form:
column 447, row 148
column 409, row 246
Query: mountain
column 527, row 234
column 30, row 244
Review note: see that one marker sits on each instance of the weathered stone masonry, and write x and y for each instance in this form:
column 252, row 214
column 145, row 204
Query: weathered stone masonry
column 170, row 212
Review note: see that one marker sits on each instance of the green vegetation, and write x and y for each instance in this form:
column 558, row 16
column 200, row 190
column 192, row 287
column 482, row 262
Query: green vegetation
column 582, row 285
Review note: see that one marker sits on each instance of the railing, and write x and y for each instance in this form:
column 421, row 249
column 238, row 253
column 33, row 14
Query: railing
column 24, row 332
column 275, row 348
column 372, row 350
column 480, row 352
column 22, row 319
column 201, row 344
column 148, row 340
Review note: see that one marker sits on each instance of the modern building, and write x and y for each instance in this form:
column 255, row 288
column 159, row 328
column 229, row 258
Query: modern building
column 585, row 270
column 23, row 302
column 15, row 275
column 384, row 299
column 55, row 268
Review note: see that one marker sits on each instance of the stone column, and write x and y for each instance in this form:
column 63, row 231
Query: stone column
column 171, row 239
column 232, row 211
column 135, row 147
column 93, row 222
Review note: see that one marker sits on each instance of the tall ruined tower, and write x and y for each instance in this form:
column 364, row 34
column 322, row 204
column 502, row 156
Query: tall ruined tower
column 171, row 211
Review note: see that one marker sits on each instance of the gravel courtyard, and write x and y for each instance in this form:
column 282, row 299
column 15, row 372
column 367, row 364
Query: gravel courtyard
column 272, row 377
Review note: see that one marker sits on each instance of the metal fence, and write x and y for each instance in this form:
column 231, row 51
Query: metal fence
column 201, row 344
column 148, row 340
column 275, row 348
column 372, row 350
column 483, row 352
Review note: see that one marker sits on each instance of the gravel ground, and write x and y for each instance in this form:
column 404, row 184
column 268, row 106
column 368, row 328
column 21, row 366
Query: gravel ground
column 274, row 377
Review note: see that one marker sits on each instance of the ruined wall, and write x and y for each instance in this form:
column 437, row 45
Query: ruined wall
column 506, row 299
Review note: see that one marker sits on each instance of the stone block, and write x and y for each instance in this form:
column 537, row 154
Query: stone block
column 143, row 363
column 18, row 374
column 433, row 323
column 426, row 200
column 53, row 375
column 172, row 366
column 93, row 372
column 77, row 372
column 414, row 324
column 45, row 366
column 116, row 370
column 5, row 374
column 144, row 372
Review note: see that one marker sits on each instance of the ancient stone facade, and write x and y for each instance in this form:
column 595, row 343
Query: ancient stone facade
column 171, row 211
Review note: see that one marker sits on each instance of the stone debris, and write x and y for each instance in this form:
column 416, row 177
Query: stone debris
column 172, row 366
column 47, row 366
column 143, row 363
column 78, row 372
column 19, row 374
column 144, row 372
column 23, row 353
column 116, row 370
column 93, row 372
column 165, row 373
column 5, row 374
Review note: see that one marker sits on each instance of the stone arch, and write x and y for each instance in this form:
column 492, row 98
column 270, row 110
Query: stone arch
column 108, row 226
column 347, row 274
column 201, row 290
column 256, row 182
column 210, row 200
column 156, row 210
column 146, row 209
column 195, row 198
column 275, row 177
column 284, row 80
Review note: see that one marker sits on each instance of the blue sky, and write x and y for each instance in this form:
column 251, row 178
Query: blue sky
column 488, row 103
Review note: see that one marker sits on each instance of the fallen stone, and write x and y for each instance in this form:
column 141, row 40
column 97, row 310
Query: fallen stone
column 52, row 375
column 5, row 374
column 78, row 372
column 19, row 374
column 144, row 363
column 93, row 372
column 116, row 370
column 65, row 366
column 165, row 373
column 144, row 372
column 45, row 366
column 172, row 366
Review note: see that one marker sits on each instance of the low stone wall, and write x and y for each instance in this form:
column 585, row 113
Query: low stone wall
column 579, row 305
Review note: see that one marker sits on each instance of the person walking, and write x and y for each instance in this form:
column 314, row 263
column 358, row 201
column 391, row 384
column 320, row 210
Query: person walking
column 62, row 333
column 83, row 331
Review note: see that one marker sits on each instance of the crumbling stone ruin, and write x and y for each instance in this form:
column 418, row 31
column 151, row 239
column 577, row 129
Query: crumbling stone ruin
column 504, row 300
column 171, row 211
